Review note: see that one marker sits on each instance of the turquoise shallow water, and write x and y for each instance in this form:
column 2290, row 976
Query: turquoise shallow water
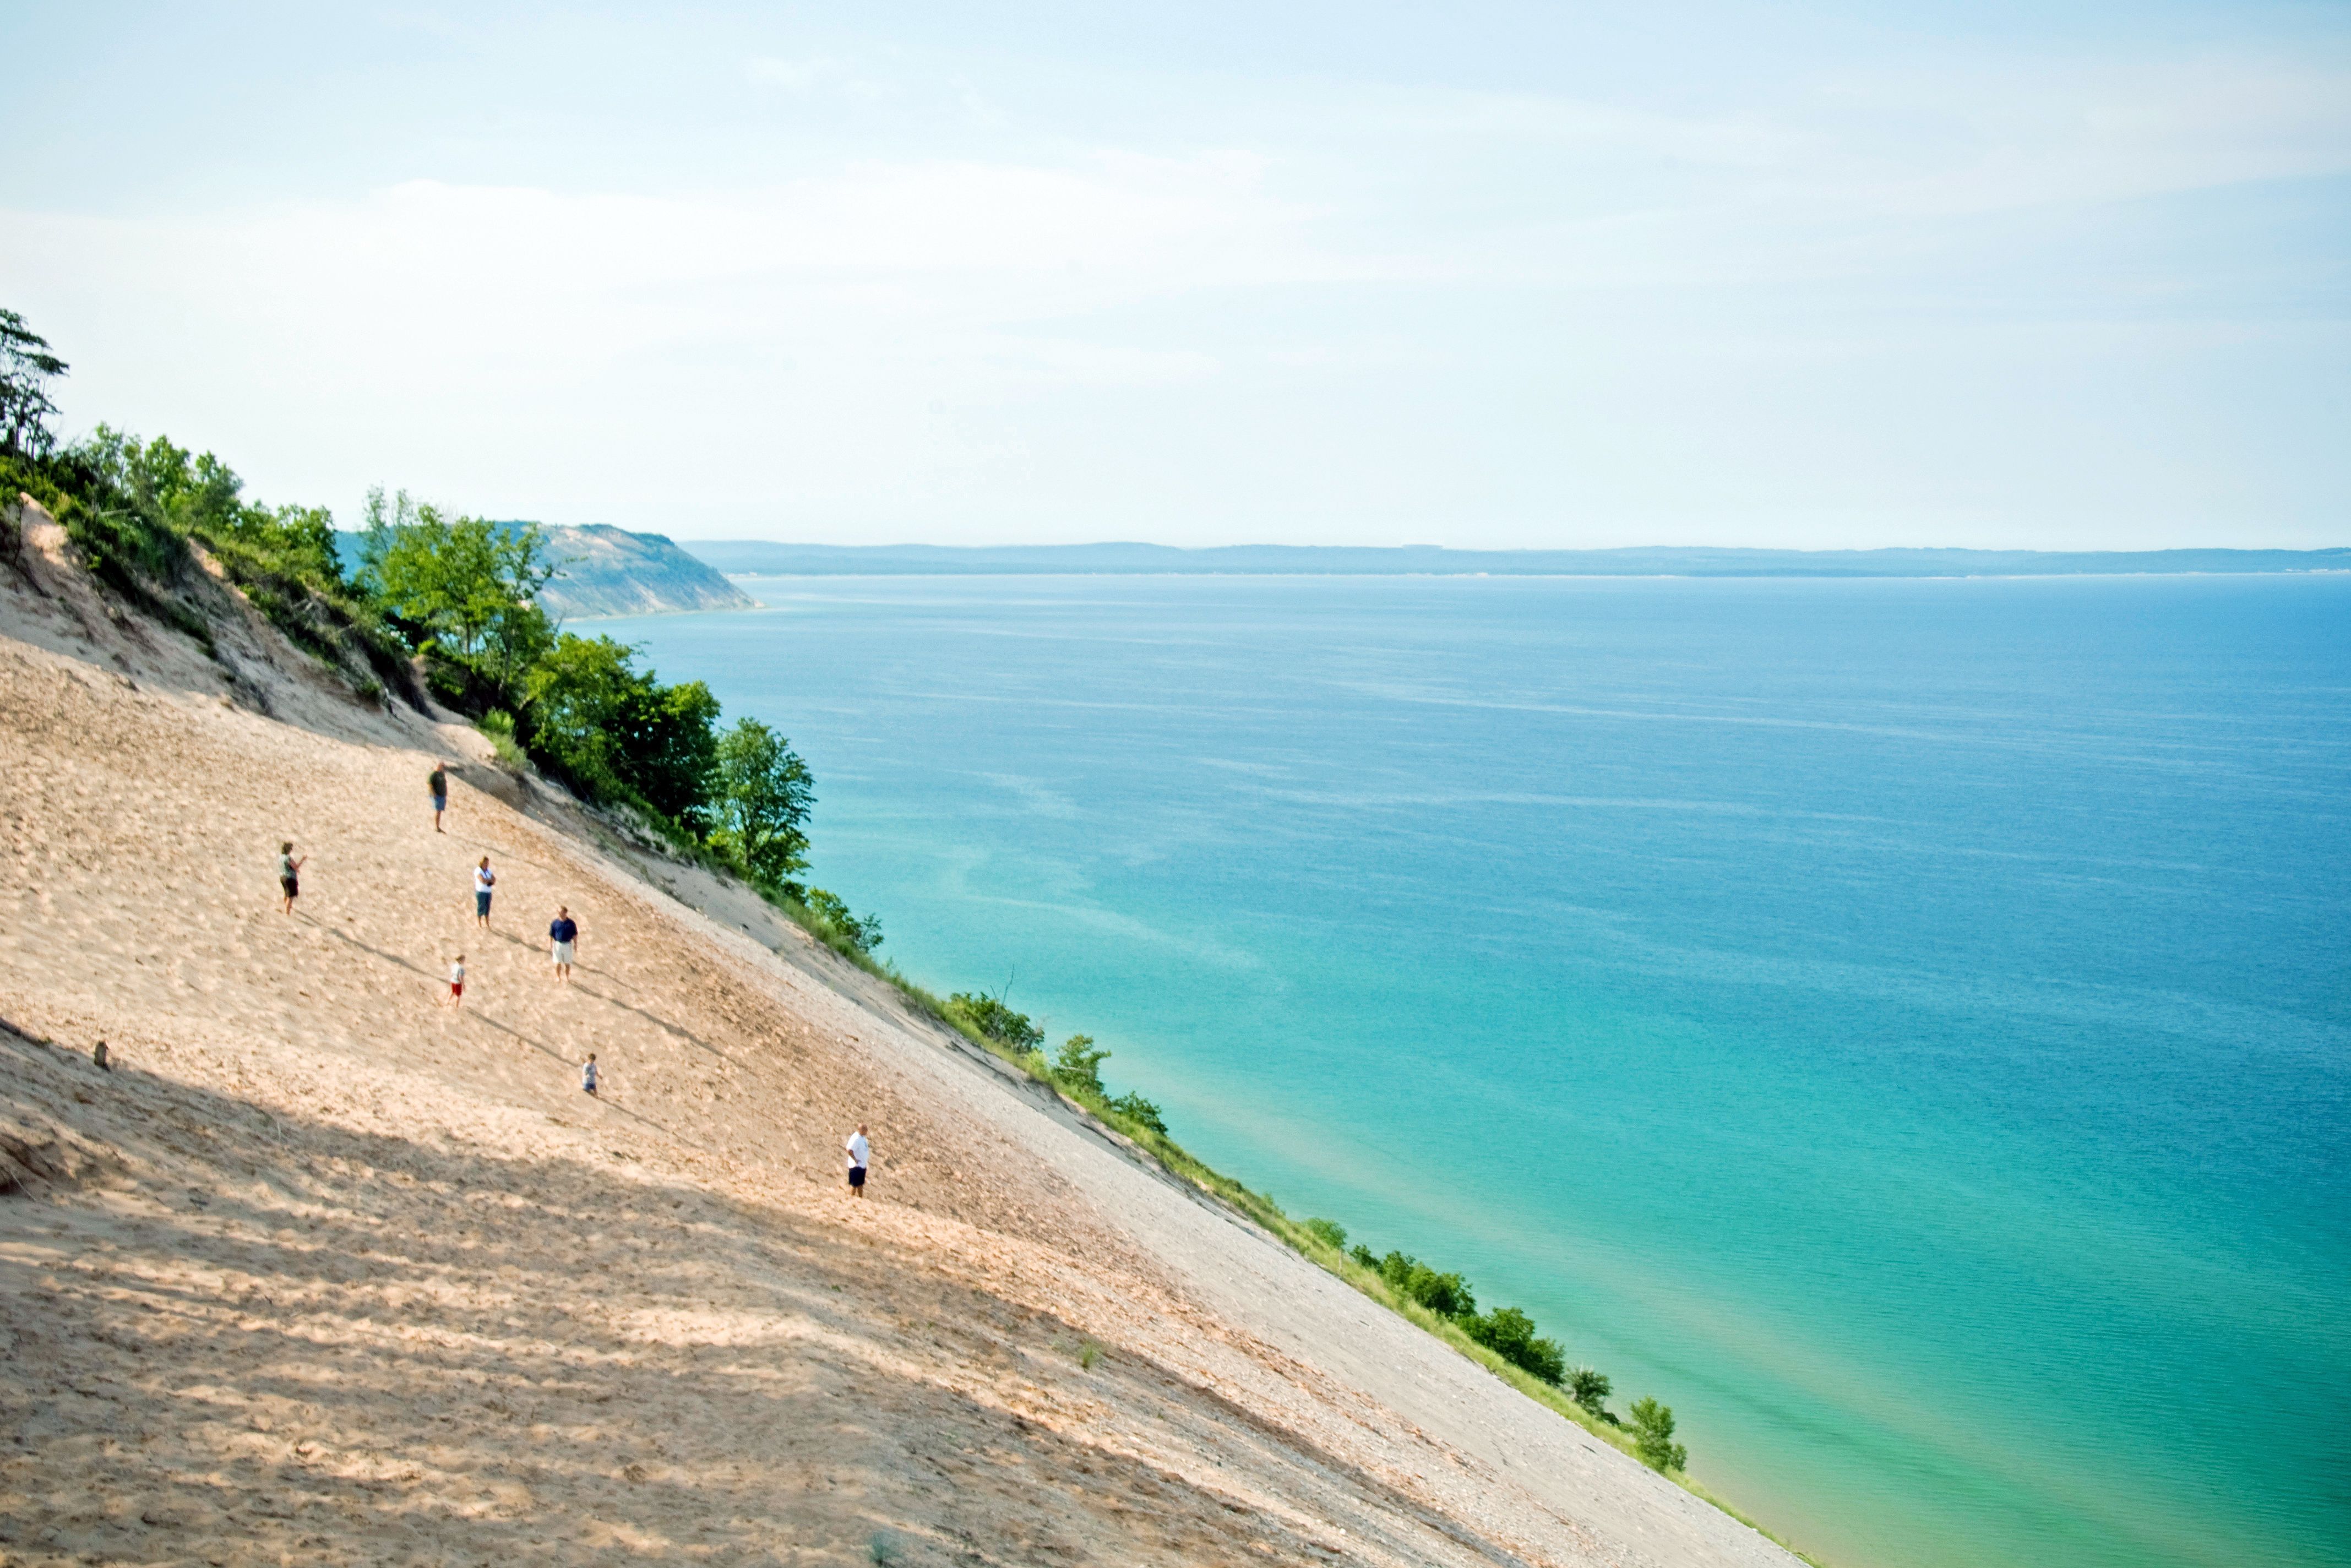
column 1906, row 1026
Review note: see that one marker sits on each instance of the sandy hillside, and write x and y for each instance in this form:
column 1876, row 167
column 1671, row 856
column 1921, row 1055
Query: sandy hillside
column 328, row 1271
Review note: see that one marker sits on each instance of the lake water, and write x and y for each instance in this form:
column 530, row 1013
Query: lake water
column 1904, row 1025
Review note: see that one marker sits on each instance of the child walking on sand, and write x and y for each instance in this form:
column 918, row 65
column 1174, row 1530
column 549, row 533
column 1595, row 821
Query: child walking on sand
column 457, row 982
column 859, row 1151
column 588, row 1074
column 484, row 879
column 290, row 874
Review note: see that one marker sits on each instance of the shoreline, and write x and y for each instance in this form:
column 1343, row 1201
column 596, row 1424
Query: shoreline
column 735, row 1046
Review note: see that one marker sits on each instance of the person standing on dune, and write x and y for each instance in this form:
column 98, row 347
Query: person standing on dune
column 457, row 982
column 859, row 1151
column 436, row 784
column 484, row 879
column 290, row 874
column 562, row 934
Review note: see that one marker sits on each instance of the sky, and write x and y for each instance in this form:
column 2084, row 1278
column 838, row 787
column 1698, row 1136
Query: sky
column 1800, row 274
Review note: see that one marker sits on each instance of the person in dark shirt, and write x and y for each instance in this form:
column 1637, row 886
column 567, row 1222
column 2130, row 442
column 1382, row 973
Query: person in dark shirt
column 564, row 933
column 436, row 784
column 290, row 874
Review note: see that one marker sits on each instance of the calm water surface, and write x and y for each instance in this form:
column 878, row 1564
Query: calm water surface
column 1905, row 1026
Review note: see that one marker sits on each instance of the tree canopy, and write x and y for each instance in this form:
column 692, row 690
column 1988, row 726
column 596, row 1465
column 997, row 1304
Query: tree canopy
column 27, row 368
column 759, row 810
column 466, row 583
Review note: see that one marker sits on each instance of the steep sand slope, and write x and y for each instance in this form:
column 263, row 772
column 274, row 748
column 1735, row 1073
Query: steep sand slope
column 329, row 1271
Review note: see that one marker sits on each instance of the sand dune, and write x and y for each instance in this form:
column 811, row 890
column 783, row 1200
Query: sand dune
column 328, row 1271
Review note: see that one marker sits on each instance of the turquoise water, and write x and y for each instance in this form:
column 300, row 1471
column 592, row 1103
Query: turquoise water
column 1902, row 1025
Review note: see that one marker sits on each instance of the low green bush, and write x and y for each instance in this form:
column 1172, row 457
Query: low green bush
column 995, row 1021
column 860, row 933
column 1511, row 1334
column 1143, row 1113
column 1590, row 1388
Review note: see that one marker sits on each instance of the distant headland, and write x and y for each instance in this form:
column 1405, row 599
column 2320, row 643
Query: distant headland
column 602, row 571
column 766, row 558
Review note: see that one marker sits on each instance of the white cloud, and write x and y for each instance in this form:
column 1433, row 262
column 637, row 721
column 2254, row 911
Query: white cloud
column 1425, row 301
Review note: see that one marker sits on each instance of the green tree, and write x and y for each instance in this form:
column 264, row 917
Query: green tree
column 615, row 732
column 381, row 521
column 1329, row 1232
column 27, row 368
column 1653, row 1435
column 465, row 583
column 671, row 749
column 759, row 807
column 199, row 495
column 861, row 931
column 576, row 698
column 1079, row 1065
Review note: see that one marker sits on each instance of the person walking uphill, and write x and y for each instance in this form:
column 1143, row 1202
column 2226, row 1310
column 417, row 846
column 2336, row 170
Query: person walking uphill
column 859, row 1151
column 484, row 879
column 436, row 784
column 563, row 936
column 290, row 874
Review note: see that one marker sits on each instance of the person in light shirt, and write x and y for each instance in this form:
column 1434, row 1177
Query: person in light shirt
column 484, row 879
column 859, row 1151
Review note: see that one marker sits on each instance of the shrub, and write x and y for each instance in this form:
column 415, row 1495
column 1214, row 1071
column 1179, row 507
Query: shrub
column 1511, row 1334
column 1445, row 1294
column 499, row 726
column 1653, row 1435
column 993, row 1021
column 1138, row 1110
column 1329, row 1232
column 1079, row 1065
column 117, row 518
column 862, row 933
column 1589, row 1389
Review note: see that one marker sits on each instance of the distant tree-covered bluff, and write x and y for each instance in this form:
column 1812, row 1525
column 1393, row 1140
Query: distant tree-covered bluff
column 604, row 571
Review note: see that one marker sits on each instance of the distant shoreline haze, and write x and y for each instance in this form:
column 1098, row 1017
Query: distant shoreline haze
column 767, row 558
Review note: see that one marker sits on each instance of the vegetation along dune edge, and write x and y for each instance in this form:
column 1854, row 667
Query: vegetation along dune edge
column 317, row 1266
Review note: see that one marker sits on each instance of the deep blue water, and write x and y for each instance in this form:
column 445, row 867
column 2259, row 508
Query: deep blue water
column 1904, row 1025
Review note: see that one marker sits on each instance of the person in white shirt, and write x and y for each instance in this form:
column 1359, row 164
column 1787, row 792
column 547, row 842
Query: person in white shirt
column 859, row 1151
column 457, row 982
column 484, row 879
